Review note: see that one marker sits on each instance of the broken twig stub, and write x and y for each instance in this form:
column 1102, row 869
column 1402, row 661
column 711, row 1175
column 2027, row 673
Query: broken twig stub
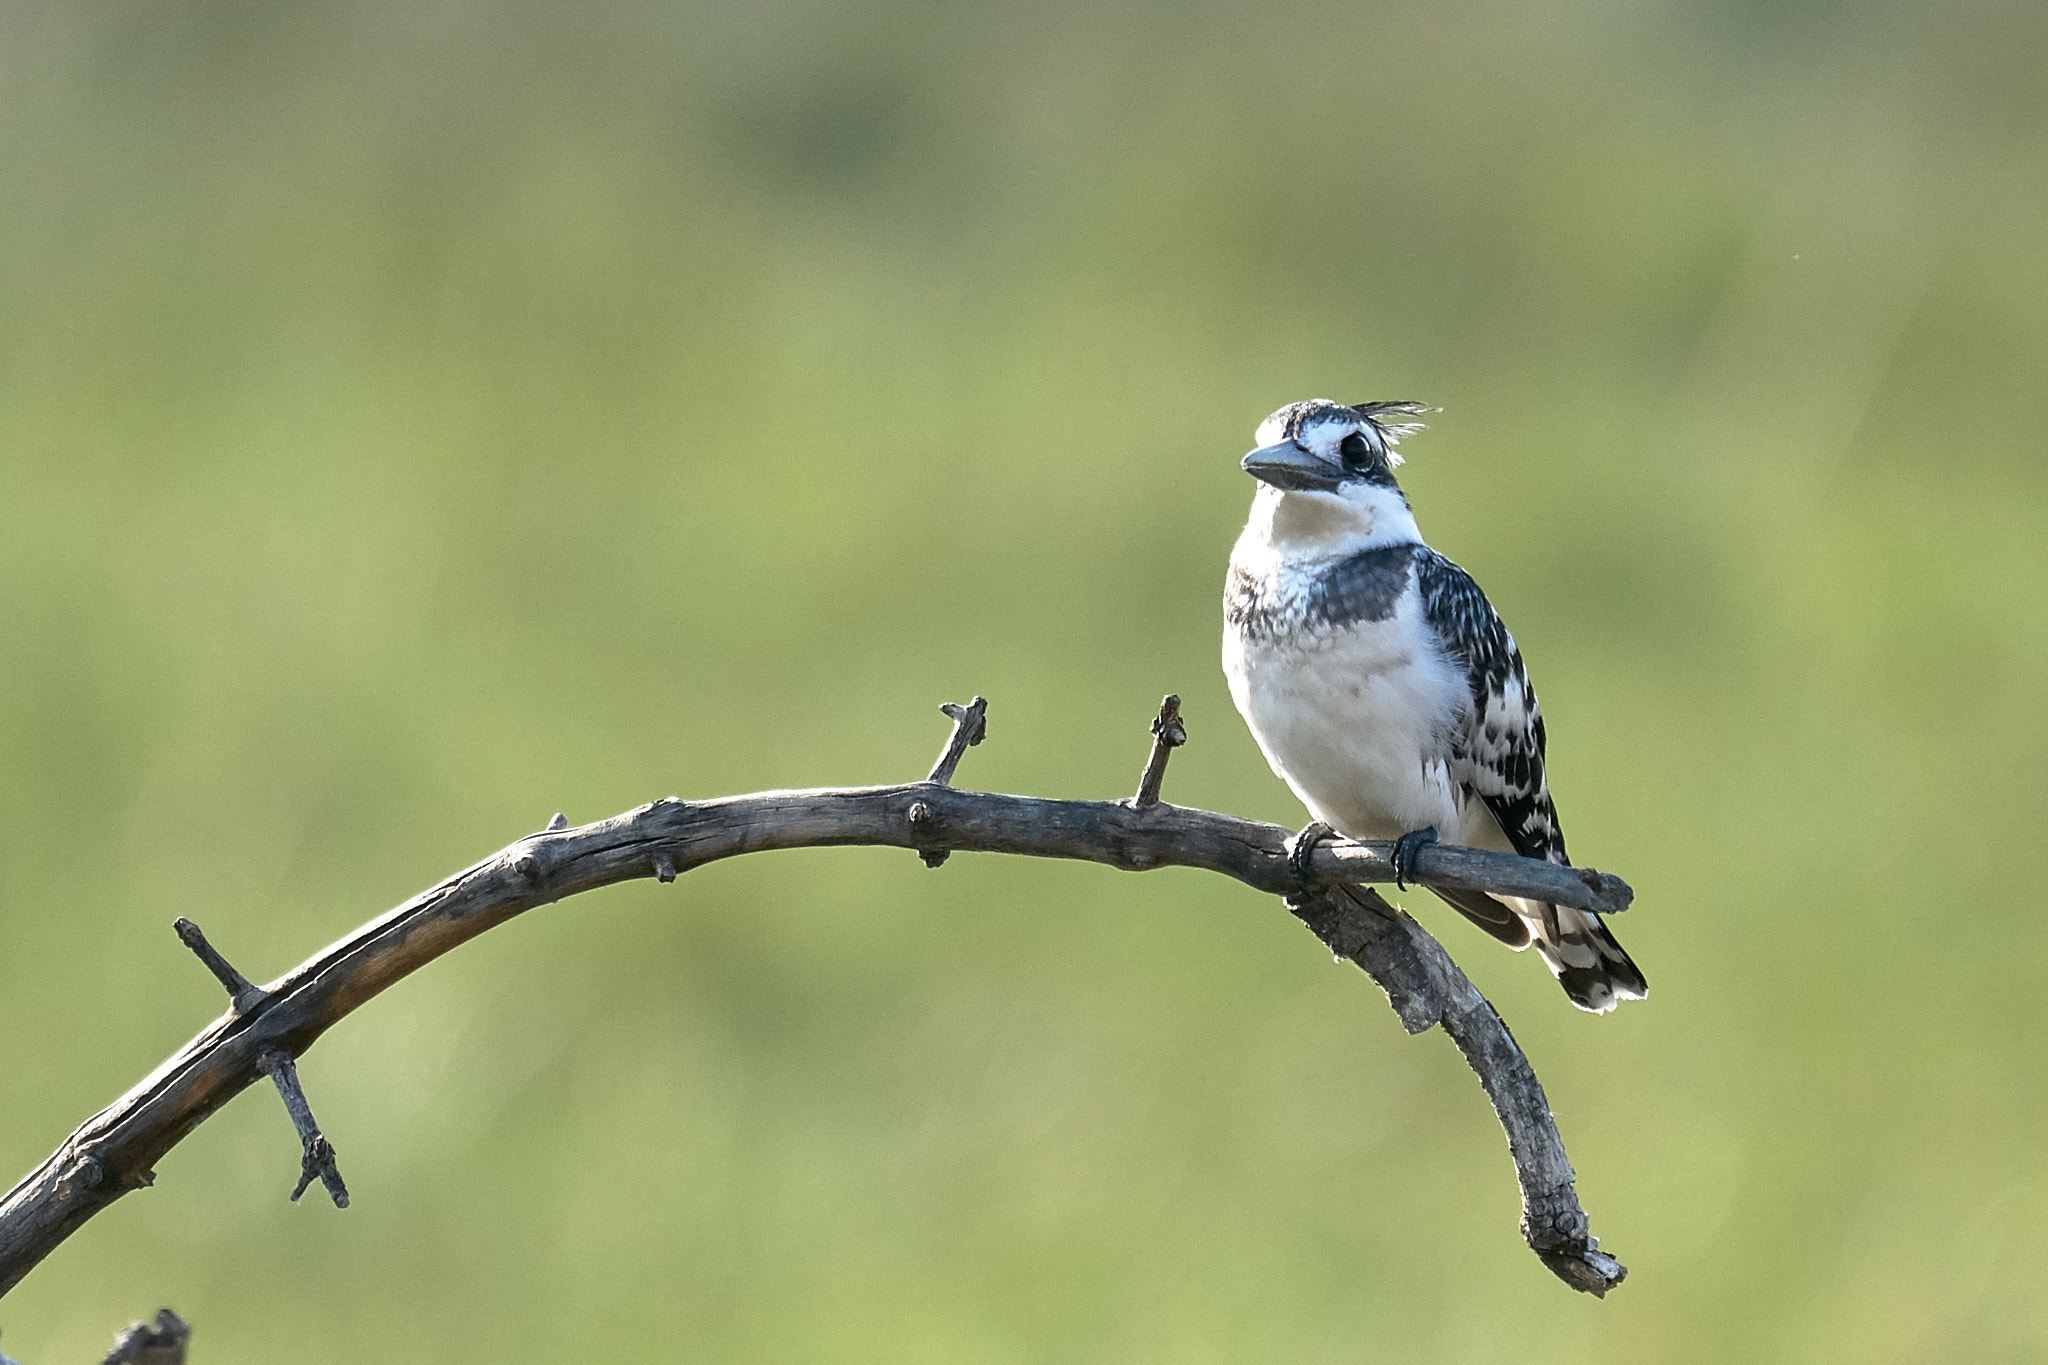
column 1169, row 732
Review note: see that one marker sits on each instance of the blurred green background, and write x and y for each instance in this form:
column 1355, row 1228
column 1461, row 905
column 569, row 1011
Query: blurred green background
column 417, row 418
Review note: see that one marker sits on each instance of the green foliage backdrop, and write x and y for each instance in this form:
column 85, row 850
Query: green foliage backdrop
column 419, row 417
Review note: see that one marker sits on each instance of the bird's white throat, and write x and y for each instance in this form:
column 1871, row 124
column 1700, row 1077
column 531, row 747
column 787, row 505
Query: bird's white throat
column 1293, row 527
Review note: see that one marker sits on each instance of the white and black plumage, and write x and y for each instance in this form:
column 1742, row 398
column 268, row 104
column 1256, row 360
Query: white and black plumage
column 1381, row 683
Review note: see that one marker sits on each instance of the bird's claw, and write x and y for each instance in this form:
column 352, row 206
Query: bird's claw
column 1406, row 849
column 1301, row 850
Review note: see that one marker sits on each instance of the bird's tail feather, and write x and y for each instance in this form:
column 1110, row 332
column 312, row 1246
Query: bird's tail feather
column 1584, row 957
column 1593, row 969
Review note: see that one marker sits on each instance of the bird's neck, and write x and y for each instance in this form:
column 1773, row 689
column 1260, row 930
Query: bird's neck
column 1295, row 528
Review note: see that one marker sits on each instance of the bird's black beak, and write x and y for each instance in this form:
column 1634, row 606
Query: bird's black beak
column 1293, row 468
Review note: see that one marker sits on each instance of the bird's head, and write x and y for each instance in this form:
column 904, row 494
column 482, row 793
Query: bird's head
column 1319, row 446
column 1327, row 477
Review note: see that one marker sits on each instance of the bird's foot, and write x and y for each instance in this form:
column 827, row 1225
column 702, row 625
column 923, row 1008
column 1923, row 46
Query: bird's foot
column 1302, row 848
column 1406, row 848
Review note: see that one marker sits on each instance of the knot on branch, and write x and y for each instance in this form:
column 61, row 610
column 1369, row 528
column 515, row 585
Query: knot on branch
column 1563, row 1227
column 82, row 1176
column 924, row 829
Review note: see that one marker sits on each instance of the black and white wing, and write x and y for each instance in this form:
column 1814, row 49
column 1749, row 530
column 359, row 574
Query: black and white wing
column 1498, row 753
column 1497, row 757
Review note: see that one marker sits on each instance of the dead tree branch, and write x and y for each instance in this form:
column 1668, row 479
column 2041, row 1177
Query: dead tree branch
column 1425, row 987
column 266, row 1028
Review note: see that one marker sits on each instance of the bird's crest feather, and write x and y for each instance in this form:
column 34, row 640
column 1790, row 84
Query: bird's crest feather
column 1392, row 432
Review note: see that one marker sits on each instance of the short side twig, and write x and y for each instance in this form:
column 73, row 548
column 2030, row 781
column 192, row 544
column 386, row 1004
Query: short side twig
column 318, row 1161
column 318, row 1158
column 970, row 727
column 1169, row 732
column 241, row 993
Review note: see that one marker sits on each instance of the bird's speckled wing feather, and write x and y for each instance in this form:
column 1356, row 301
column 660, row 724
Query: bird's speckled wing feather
column 1499, row 754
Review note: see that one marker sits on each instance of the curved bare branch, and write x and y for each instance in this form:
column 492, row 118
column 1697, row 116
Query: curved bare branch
column 115, row 1150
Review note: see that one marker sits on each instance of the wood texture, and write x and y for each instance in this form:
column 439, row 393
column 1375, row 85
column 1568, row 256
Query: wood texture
column 115, row 1150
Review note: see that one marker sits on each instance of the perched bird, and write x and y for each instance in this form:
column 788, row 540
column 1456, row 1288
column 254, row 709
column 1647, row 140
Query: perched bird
column 1382, row 685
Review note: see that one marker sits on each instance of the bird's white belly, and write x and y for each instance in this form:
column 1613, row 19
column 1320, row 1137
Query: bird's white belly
column 1356, row 720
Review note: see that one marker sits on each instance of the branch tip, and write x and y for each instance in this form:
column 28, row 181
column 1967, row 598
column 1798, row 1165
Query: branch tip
column 560, row 822
column 970, row 727
column 664, row 868
column 242, row 994
column 1586, row 1269
column 1611, row 894
column 1169, row 732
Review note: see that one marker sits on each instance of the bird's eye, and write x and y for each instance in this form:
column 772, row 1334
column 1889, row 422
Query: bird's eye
column 1354, row 448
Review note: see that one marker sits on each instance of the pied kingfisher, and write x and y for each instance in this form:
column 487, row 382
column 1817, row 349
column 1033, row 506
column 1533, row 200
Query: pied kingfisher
column 1383, row 687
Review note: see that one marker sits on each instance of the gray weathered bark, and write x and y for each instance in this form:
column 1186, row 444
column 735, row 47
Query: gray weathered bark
column 114, row 1151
